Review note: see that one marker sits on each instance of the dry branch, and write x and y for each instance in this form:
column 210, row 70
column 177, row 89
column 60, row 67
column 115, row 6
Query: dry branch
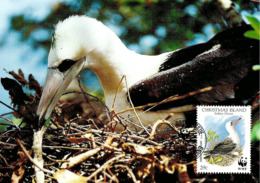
column 80, row 158
column 37, row 151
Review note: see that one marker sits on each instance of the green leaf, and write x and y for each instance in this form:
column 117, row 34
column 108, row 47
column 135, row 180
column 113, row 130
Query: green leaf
column 209, row 138
column 209, row 132
column 211, row 161
column 213, row 133
column 17, row 120
column 252, row 34
column 47, row 122
column 216, row 137
column 256, row 67
column 218, row 159
column 255, row 133
column 254, row 22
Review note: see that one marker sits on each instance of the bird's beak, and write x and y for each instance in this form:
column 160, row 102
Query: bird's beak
column 56, row 83
column 235, row 121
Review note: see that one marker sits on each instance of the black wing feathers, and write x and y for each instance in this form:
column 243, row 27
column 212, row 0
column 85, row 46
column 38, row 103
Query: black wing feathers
column 224, row 147
column 180, row 56
column 226, row 38
column 221, row 62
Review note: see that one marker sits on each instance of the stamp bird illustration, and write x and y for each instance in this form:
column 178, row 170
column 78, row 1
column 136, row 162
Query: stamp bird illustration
column 229, row 143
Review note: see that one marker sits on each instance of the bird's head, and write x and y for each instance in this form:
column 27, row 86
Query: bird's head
column 57, row 80
column 232, row 123
column 67, row 57
column 78, row 42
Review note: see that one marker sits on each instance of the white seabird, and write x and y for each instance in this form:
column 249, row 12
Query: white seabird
column 229, row 143
column 81, row 42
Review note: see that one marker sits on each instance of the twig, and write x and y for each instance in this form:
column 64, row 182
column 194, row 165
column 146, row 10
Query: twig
column 63, row 147
column 113, row 175
column 130, row 122
column 37, row 151
column 75, row 129
column 54, row 160
column 93, row 122
column 7, row 144
column 255, row 103
column 6, row 113
column 79, row 158
column 144, row 139
column 30, row 158
column 129, row 170
column 7, row 106
column 132, row 105
column 109, row 176
column 113, row 114
column 105, row 145
column 6, row 163
column 10, row 122
column 117, row 90
column 86, row 98
column 109, row 147
column 170, row 99
column 6, row 167
column 159, row 122
column 104, row 166
column 81, row 92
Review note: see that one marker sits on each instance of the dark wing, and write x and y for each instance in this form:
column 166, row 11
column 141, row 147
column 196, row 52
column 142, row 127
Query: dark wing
column 224, row 147
column 222, row 62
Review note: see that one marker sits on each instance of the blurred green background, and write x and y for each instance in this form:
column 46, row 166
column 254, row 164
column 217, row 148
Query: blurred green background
column 145, row 26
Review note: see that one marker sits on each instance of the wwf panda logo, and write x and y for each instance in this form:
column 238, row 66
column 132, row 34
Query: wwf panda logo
column 242, row 162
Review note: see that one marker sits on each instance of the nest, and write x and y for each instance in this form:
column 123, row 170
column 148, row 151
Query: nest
column 80, row 145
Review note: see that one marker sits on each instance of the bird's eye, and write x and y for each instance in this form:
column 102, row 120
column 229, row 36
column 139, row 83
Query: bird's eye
column 65, row 65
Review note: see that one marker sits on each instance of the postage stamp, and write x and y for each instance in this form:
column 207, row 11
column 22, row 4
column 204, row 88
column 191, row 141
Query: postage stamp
column 223, row 139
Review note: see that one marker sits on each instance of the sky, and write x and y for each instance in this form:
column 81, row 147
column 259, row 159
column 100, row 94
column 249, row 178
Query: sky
column 16, row 54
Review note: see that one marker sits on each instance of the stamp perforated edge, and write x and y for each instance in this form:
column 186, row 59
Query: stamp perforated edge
column 248, row 150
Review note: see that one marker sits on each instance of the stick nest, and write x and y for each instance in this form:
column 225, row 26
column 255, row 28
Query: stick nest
column 79, row 145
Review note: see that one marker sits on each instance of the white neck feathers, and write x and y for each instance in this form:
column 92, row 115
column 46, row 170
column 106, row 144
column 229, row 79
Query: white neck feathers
column 232, row 133
column 105, row 53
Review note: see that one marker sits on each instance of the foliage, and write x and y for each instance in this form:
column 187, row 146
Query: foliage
column 217, row 160
column 254, row 34
column 212, row 136
column 170, row 23
column 24, row 105
column 223, row 159
column 47, row 122
column 255, row 133
column 255, row 23
column 213, row 139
